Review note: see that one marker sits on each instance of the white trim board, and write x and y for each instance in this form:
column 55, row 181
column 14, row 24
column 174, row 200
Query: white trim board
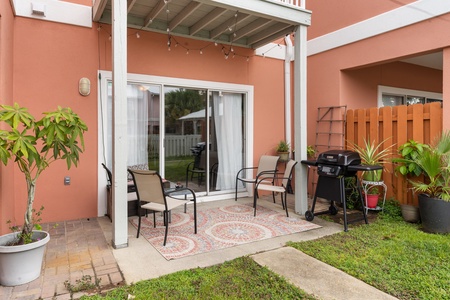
column 382, row 89
column 391, row 20
column 54, row 11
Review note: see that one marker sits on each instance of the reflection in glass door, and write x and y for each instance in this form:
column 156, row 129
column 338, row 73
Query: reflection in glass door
column 203, row 145
column 185, row 140
column 143, row 101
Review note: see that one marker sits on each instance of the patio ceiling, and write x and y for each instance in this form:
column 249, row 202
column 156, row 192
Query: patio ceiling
column 245, row 23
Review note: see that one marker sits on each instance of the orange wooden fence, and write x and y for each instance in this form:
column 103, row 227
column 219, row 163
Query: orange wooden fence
column 396, row 125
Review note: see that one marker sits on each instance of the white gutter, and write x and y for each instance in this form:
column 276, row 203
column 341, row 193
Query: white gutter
column 287, row 88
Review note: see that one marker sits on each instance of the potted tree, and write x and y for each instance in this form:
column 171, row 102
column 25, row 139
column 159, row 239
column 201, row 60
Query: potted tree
column 407, row 167
column 33, row 146
column 434, row 191
column 282, row 150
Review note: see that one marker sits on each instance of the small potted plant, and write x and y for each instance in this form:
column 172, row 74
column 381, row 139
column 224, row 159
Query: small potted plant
column 282, row 150
column 434, row 190
column 372, row 154
column 407, row 166
column 33, row 146
column 310, row 152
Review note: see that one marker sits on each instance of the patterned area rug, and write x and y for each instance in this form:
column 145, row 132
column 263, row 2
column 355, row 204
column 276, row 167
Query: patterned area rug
column 218, row 228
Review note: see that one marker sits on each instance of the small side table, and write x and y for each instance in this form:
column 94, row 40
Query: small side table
column 367, row 186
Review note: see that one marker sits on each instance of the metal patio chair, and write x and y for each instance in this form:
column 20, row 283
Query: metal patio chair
column 267, row 167
column 152, row 197
column 282, row 188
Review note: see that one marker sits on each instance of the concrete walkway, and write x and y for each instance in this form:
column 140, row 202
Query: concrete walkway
column 315, row 277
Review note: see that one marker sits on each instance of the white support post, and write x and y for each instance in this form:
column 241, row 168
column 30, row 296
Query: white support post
column 119, row 153
column 300, row 119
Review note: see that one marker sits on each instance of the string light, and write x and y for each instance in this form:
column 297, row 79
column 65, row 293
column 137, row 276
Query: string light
column 224, row 50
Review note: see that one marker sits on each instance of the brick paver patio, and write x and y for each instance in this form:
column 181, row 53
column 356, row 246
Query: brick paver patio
column 76, row 249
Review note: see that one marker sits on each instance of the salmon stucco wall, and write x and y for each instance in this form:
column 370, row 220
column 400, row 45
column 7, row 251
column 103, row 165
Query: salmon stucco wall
column 49, row 60
column 359, row 88
column 328, row 16
column 149, row 54
column 6, row 95
column 332, row 74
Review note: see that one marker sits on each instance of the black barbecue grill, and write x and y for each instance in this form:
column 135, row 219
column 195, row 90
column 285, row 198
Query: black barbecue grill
column 332, row 167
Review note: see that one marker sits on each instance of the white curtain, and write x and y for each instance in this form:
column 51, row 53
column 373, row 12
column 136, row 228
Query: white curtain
column 228, row 123
column 137, row 123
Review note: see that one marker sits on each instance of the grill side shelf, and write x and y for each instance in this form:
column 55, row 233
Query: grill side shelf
column 363, row 168
column 311, row 162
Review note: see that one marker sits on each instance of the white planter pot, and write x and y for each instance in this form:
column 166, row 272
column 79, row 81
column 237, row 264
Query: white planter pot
column 23, row 263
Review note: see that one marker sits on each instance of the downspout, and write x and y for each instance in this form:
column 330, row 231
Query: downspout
column 287, row 89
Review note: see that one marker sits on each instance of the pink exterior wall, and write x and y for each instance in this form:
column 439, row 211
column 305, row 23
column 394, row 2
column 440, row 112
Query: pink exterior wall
column 6, row 92
column 50, row 58
column 359, row 87
column 328, row 16
column 350, row 74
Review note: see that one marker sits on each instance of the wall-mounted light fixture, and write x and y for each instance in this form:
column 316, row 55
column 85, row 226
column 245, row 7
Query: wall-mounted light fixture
column 84, row 86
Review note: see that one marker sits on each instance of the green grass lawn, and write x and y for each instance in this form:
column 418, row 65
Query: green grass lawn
column 241, row 278
column 389, row 254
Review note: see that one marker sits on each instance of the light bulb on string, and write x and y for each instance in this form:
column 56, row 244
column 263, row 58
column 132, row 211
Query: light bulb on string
column 138, row 35
column 187, row 51
column 248, row 58
column 201, row 51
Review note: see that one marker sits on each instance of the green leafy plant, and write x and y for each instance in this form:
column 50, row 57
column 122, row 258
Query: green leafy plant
column 34, row 145
column 282, row 146
column 36, row 220
column 409, row 152
column 83, row 284
column 310, row 151
column 435, row 163
column 373, row 155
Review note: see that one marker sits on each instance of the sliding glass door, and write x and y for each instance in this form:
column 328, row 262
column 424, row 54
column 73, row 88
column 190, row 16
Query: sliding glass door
column 194, row 133
column 203, row 143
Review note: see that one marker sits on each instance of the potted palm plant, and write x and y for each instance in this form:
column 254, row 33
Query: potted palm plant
column 282, row 150
column 33, row 145
column 434, row 191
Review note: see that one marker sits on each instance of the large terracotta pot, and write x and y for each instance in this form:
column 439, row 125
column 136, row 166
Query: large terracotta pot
column 435, row 214
column 21, row 264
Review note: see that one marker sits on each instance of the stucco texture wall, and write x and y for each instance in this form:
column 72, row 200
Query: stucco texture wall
column 49, row 60
column 6, row 92
column 350, row 74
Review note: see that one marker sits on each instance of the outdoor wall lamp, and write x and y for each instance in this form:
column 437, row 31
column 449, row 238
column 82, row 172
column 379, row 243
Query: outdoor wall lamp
column 84, row 86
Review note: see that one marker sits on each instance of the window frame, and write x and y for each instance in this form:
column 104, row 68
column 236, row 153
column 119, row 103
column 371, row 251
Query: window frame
column 383, row 90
